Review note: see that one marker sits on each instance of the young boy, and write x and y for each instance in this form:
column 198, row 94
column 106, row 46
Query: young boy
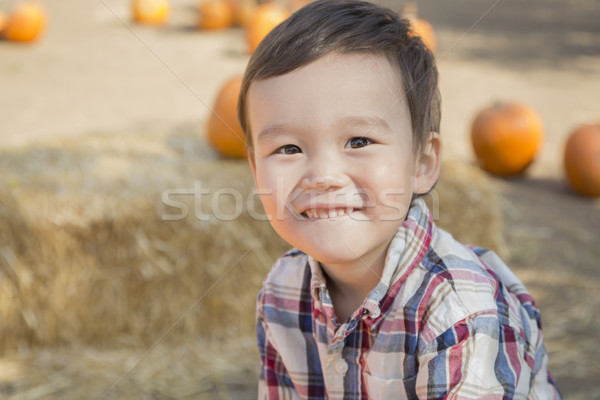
column 341, row 111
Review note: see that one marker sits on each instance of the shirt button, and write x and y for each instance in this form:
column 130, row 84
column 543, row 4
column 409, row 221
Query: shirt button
column 341, row 367
column 375, row 313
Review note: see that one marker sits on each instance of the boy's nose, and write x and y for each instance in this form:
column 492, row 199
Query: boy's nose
column 325, row 173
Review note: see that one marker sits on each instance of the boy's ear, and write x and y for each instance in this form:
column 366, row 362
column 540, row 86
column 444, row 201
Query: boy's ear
column 428, row 164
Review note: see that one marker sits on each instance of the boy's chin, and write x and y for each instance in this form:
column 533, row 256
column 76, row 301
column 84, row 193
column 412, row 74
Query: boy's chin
column 332, row 259
column 343, row 254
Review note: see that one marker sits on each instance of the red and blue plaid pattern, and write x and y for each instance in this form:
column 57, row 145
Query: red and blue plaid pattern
column 445, row 322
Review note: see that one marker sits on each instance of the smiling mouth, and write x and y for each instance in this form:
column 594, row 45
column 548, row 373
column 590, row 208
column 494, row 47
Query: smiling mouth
column 314, row 213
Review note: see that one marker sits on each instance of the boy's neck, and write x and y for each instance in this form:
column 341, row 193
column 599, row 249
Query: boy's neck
column 350, row 284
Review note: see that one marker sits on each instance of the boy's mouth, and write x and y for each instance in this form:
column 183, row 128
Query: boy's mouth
column 327, row 213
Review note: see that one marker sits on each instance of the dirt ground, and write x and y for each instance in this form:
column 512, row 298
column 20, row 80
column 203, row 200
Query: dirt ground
column 96, row 72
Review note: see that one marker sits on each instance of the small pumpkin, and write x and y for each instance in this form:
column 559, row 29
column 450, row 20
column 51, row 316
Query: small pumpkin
column 420, row 27
column 266, row 17
column 223, row 129
column 215, row 14
column 506, row 138
column 26, row 23
column 3, row 21
column 151, row 12
column 582, row 159
column 298, row 4
column 242, row 10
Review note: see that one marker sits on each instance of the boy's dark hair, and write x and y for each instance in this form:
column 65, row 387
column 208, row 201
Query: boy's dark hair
column 349, row 27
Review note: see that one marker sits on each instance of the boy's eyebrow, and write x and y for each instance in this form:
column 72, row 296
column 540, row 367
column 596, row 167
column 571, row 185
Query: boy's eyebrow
column 375, row 123
column 366, row 122
column 272, row 130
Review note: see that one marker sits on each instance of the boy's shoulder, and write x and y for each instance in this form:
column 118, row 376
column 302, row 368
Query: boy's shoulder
column 446, row 255
column 289, row 278
column 480, row 282
column 453, row 275
column 289, row 269
column 451, row 258
column 457, row 262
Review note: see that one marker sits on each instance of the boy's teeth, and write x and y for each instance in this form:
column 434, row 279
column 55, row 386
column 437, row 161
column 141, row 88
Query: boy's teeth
column 327, row 214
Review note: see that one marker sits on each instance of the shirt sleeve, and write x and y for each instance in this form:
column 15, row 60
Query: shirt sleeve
column 261, row 340
column 274, row 382
column 479, row 359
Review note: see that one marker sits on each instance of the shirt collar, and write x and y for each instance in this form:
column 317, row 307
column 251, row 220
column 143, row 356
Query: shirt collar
column 407, row 249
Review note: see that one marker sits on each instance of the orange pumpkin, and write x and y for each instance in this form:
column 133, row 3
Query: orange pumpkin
column 223, row 129
column 266, row 17
column 26, row 22
column 506, row 138
column 582, row 159
column 215, row 14
column 298, row 4
column 242, row 10
column 420, row 27
column 3, row 21
column 151, row 12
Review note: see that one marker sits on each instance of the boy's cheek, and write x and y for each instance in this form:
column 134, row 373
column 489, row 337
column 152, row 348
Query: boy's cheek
column 394, row 204
column 275, row 203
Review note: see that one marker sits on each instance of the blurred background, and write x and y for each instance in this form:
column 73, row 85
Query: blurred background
column 113, row 285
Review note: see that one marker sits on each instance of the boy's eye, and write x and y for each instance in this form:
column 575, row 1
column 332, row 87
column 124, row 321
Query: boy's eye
column 358, row 142
column 288, row 149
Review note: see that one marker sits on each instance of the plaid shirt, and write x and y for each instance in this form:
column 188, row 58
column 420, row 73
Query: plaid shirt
column 445, row 321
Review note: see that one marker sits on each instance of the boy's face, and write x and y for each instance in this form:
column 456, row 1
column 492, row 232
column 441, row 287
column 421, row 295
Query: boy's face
column 333, row 156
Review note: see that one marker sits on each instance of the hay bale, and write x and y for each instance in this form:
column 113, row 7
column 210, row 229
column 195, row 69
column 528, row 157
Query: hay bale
column 87, row 257
column 193, row 370
column 466, row 203
column 94, row 254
